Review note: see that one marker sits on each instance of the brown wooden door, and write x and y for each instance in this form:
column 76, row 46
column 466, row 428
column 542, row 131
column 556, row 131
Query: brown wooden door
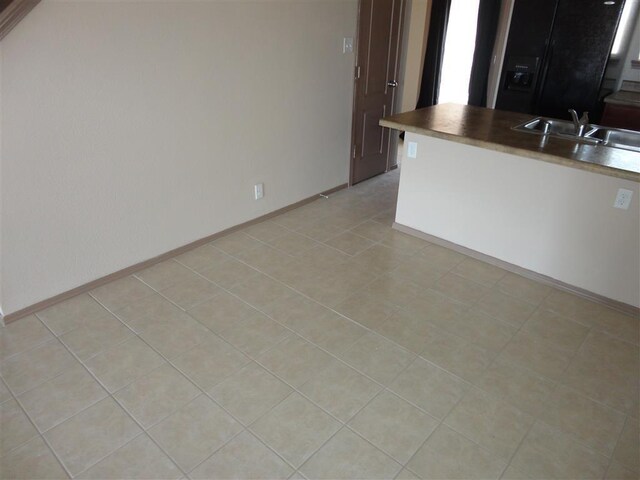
column 377, row 59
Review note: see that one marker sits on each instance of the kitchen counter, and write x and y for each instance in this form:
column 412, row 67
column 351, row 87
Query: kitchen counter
column 491, row 129
column 626, row 98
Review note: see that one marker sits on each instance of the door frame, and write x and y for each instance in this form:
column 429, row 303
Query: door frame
column 394, row 99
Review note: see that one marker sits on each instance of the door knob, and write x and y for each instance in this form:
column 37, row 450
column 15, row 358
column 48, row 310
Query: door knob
column 392, row 84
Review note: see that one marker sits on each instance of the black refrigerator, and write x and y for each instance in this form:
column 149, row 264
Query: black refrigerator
column 556, row 55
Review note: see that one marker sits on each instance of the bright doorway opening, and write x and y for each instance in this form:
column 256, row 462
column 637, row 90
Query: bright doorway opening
column 459, row 46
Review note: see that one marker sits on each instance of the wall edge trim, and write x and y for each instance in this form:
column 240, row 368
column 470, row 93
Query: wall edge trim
column 125, row 272
column 530, row 274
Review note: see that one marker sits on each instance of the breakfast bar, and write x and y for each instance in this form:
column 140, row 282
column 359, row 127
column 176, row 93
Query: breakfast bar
column 538, row 204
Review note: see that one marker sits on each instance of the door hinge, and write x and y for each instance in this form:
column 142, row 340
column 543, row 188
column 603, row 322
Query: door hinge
column 353, row 153
column 357, row 72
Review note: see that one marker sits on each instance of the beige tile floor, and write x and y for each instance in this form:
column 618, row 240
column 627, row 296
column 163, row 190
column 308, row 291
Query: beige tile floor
column 321, row 344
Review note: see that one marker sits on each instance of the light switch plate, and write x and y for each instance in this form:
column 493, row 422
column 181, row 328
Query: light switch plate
column 412, row 149
column 347, row 45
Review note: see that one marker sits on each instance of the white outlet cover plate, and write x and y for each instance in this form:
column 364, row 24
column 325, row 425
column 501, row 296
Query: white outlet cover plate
column 347, row 45
column 258, row 191
column 412, row 149
column 623, row 199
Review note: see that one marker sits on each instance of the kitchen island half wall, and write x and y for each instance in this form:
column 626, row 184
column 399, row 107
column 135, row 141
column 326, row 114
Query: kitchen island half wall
column 556, row 219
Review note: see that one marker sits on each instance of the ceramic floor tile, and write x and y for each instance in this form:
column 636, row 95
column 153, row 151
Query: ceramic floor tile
column 138, row 459
column 156, row 395
column 174, row 338
column 72, row 313
column 520, row 387
column 164, row 274
column 377, row 357
column 120, row 293
column 379, row 260
column 478, row 271
column 222, row 311
column 441, row 258
column 460, row 289
column 340, row 390
column 564, row 334
column 15, row 426
column 490, row 423
column 505, row 307
column 419, row 271
column 295, row 360
column 466, row 360
column 292, row 243
column 61, row 397
column 393, row 289
column 5, row 394
column 347, row 456
column 331, row 332
column 95, row 336
column 323, row 257
column 295, row 429
column 617, row 471
column 150, row 306
column 265, row 258
column 448, row 455
column 607, row 370
column 250, row 393
column 88, row 437
column 265, row 231
column 547, row 453
column 481, row 329
column 124, row 363
column 260, row 291
column 295, row 311
column 190, row 292
column 349, row 243
column 18, row 337
column 194, row 432
column 627, row 451
column 243, row 457
column 229, row 273
column 407, row 475
column 202, row 258
column 539, row 357
column 590, row 423
column 523, row 288
column 394, row 426
column 366, row 309
column 371, row 230
column 32, row 461
column 255, row 335
column 235, row 243
column 210, row 362
column 404, row 243
column 429, row 387
column 29, row 369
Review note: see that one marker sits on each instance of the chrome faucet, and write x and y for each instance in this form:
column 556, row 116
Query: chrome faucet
column 580, row 124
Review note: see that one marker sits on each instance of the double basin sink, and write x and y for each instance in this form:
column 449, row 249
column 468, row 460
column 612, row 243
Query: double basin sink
column 593, row 134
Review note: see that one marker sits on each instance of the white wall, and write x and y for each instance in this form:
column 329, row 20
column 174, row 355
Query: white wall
column 554, row 220
column 131, row 128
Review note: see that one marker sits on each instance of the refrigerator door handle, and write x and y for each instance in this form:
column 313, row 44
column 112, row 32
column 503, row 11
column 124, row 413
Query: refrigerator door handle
column 543, row 77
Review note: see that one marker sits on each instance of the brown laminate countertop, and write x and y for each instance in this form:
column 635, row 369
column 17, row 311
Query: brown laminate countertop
column 491, row 129
column 623, row 97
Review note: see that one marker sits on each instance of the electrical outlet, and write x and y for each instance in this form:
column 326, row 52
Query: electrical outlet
column 623, row 199
column 412, row 149
column 258, row 191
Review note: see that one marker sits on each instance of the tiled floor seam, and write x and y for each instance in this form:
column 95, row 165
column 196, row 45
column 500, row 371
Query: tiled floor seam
column 38, row 434
column 111, row 395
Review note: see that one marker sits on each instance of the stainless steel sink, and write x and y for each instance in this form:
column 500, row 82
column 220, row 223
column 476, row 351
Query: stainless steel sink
column 594, row 134
column 616, row 137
